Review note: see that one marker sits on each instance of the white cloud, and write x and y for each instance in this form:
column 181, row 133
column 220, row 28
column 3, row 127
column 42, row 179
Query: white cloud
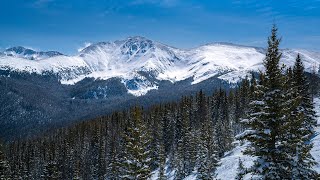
column 85, row 45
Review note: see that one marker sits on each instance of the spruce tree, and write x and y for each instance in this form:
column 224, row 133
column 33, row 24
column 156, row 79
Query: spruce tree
column 76, row 171
column 185, row 150
column 4, row 165
column 137, row 140
column 160, row 145
column 207, row 157
column 51, row 171
column 266, row 117
column 162, row 161
column 223, row 125
column 302, row 125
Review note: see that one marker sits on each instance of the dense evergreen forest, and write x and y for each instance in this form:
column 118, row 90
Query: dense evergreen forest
column 273, row 110
column 121, row 144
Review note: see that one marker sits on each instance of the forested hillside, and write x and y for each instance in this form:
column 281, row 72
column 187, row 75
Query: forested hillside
column 120, row 144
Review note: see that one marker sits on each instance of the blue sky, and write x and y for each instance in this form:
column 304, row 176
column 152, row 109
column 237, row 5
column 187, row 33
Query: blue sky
column 66, row 25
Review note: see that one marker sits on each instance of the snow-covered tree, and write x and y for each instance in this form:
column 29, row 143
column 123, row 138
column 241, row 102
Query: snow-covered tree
column 280, row 120
column 302, row 123
column 266, row 118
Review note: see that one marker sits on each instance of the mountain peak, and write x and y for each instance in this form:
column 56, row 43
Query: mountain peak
column 137, row 45
column 19, row 50
column 27, row 53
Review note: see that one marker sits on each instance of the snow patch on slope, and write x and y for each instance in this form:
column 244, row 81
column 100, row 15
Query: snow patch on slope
column 229, row 163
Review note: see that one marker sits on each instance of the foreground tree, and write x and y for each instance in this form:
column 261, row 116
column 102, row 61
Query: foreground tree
column 280, row 120
column 266, row 116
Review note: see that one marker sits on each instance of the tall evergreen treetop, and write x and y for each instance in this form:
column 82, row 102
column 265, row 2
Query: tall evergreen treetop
column 271, row 62
column 303, row 124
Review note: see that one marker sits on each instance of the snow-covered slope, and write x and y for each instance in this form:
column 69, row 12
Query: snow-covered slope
column 316, row 140
column 126, row 59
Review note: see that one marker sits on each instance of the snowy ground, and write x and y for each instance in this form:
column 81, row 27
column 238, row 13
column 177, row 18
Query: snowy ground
column 316, row 140
column 229, row 164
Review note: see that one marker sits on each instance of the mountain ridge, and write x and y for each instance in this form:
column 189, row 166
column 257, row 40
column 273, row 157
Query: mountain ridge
column 27, row 53
column 126, row 58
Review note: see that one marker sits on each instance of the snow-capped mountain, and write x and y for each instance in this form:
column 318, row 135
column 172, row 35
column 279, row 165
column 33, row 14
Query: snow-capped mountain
column 26, row 53
column 126, row 59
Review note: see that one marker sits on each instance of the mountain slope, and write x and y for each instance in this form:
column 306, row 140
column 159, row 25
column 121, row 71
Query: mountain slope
column 126, row 59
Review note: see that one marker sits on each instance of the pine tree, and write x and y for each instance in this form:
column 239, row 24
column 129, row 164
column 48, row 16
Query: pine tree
column 159, row 141
column 76, row 173
column 116, row 166
column 137, row 140
column 223, row 125
column 207, row 156
column 184, row 150
column 162, row 161
column 302, row 124
column 50, row 171
column 4, row 165
column 314, row 85
column 266, row 117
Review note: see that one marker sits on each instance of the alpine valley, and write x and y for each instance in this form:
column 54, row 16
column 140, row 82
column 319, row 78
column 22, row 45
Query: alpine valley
column 49, row 89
